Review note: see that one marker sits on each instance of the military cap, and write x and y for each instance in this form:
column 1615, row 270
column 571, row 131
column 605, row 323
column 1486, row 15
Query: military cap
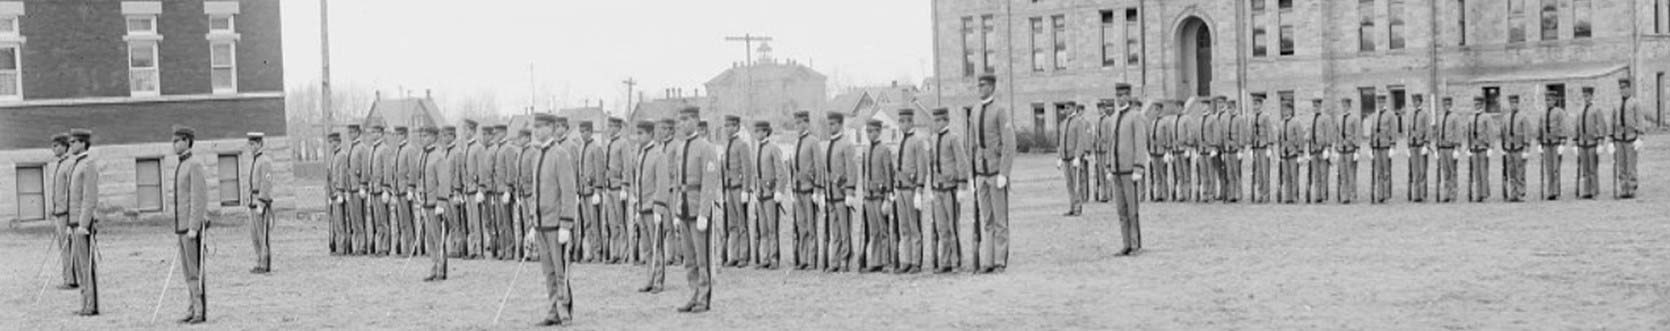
column 616, row 122
column 701, row 124
column 1513, row 98
column 501, row 127
column 1106, row 103
column 733, row 119
column 1382, row 97
column 1551, row 92
column 585, row 125
column 377, row 127
column 257, row 136
column 61, row 138
column 837, row 116
column 333, row 136
column 988, row 78
column 692, row 111
column 561, row 120
column 666, row 122
column 400, row 130
column 907, row 112
column 1220, row 98
column 1478, row 98
column 354, row 127
column 544, row 118
column 762, row 125
column 1122, row 88
column 471, row 124
column 1624, row 81
column 524, row 132
column 1588, row 90
column 874, row 123
column 449, row 129
column 429, row 130
column 185, row 132
column 646, row 125
column 82, row 134
column 802, row 115
column 942, row 112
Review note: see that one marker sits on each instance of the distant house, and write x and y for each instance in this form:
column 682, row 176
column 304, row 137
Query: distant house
column 768, row 89
column 410, row 112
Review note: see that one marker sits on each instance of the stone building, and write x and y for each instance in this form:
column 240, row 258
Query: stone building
column 1049, row 52
column 129, row 71
column 768, row 88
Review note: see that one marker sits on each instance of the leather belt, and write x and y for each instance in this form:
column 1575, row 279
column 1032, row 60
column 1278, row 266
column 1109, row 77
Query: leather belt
column 945, row 188
column 799, row 191
column 733, row 187
column 1123, row 173
column 1627, row 141
column 988, row 174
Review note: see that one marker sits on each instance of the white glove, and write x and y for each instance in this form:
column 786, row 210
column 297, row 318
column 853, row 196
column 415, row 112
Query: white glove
column 439, row 211
column 1455, row 153
column 1059, row 163
column 623, row 195
column 917, row 199
column 1605, row 148
column 259, row 208
column 563, row 235
column 388, row 198
column 531, row 239
column 596, row 200
column 504, row 198
column 1354, row 157
column 817, row 197
column 479, row 197
column 411, row 196
column 1167, row 157
column 1002, row 181
column 362, row 194
column 892, row 198
column 747, row 196
column 1137, row 175
column 852, row 202
column 701, row 223
column 191, row 233
column 1638, row 144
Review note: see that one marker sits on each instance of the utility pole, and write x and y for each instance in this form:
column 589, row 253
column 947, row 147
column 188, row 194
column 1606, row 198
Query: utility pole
column 628, row 106
column 533, row 100
column 748, row 61
column 325, row 67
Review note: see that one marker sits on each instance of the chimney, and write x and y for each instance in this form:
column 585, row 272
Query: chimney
column 428, row 94
column 379, row 94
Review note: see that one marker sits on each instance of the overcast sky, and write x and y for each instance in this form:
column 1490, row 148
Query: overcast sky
column 584, row 49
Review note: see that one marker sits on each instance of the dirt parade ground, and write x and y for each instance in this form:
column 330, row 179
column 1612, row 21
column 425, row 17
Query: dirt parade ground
column 1600, row 264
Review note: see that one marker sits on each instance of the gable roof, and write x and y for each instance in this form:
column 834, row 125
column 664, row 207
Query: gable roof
column 408, row 112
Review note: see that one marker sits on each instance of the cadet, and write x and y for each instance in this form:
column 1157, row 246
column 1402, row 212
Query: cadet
column 260, row 202
column 1208, row 145
column 436, row 192
column 1515, row 138
column 1186, row 134
column 1321, row 142
column 1293, row 148
column 526, row 183
column 1103, row 118
column 695, row 192
column 1129, row 144
column 59, row 204
column 737, row 172
column 651, row 189
column 83, row 203
column 1382, row 138
column 1626, row 135
column 467, row 161
column 191, row 218
column 554, row 201
column 840, row 183
column 376, row 176
column 590, row 184
column 1478, row 143
column 1591, row 132
column 993, row 160
column 506, row 169
column 1420, row 142
column 1448, row 141
column 359, row 158
column 878, row 176
column 487, row 178
column 910, row 186
column 1073, row 147
column 804, row 171
column 768, row 188
column 946, row 175
column 1236, row 139
column 337, row 179
column 618, row 166
column 1160, row 135
column 406, row 175
column 1348, row 143
column 1263, row 131
column 1552, row 134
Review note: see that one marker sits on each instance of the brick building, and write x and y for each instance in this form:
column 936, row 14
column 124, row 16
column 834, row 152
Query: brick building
column 1048, row 52
column 130, row 70
column 768, row 88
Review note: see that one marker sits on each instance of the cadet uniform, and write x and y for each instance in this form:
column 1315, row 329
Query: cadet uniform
column 474, row 195
column 527, row 172
column 1420, row 128
column 1104, row 189
column 1591, row 132
column 83, row 203
column 1130, row 142
column 993, row 160
column 738, row 173
column 1349, row 142
column 1516, row 136
column 840, row 183
column 1234, row 141
column 59, row 200
column 191, row 218
column 946, row 175
column 1321, row 140
column 555, row 200
column 260, row 204
column 1382, row 138
column 618, row 166
column 805, row 184
column 1264, row 135
column 1448, row 141
column 1071, row 139
column 338, row 178
column 591, row 184
column 1552, row 135
column 1183, row 153
column 1160, row 136
column 1208, row 147
column 1293, row 148
column 1478, row 143
column 405, row 186
column 770, row 178
column 359, row 177
column 878, row 171
column 1626, row 135
column 910, row 186
column 487, row 178
column 377, row 177
column 650, row 188
column 695, row 192
column 437, row 194
column 506, row 171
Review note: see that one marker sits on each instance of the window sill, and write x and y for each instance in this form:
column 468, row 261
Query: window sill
column 222, row 36
column 225, row 91
column 12, row 39
column 144, row 94
column 142, row 37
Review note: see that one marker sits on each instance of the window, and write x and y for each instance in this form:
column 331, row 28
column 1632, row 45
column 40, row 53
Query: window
column 1058, row 34
column 142, row 25
column 1366, row 94
column 223, row 63
column 1133, row 46
column 221, row 24
column 148, row 179
column 968, row 46
column 1394, row 24
column 1038, row 58
column 1110, row 55
column 1260, row 38
column 1365, row 28
column 31, row 192
column 1516, row 21
column 11, row 79
column 1398, row 94
column 1286, row 31
column 1491, row 96
column 1581, row 12
column 1461, row 22
column 1550, row 19
column 8, row 25
column 227, row 172
column 988, row 38
column 142, row 68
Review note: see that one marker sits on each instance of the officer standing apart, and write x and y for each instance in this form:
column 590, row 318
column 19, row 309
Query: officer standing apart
column 83, row 203
column 695, row 194
column 1130, row 142
column 59, row 203
column 946, row 176
column 191, row 218
column 1626, row 141
column 260, row 203
column 555, row 201
column 1516, row 136
column 1591, row 132
column 994, row 157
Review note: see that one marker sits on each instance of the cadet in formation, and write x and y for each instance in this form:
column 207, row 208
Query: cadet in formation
column 1591, row 132
column 993, row 160
column 910, row 186
column 1478, row 143
column 947, row 175
column 1626, row 132
column 770, row 179
column 1516, row 136
column 1551, row 134
column 1383, row 135
column 737, row 174
column 1074, row 154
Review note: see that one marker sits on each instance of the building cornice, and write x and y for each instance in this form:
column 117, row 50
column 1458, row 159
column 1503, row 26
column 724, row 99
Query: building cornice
column 153, row 99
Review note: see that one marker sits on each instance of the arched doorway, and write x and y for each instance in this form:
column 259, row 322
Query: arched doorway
column 1194, row 43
